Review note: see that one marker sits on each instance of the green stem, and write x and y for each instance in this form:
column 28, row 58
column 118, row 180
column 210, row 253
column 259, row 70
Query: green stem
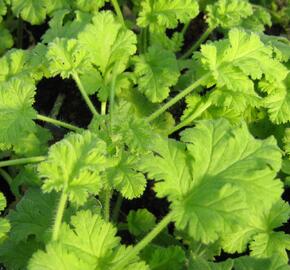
column 59, row 215
column 21, row 161
column 6, row 176
column 107, row 205
column 20, row 33
column 178, row 97
column 84, row 94
column 145, row 241
column 118, row 11
column 117, row 208
column 144, row 39
column 185, row 27
column 112, row 93
column 103, row 107
column 196, row 45
column 57, row 122
column 203, row 107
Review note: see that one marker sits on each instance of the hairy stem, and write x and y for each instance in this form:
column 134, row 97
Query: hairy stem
column 112, row 94
column 59, row 216
column 118, row 11
column 145, row 241
column 185, row 27
column 103, row 107
column 196, row 45
column 6, row 177
column 178, row 97
column 203, row 107
column 116, row 211
column 21, row 161
column 84, row 94
column 57, row 122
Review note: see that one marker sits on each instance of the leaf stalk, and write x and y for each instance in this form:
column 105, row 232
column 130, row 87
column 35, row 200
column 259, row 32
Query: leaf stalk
column 21, row 161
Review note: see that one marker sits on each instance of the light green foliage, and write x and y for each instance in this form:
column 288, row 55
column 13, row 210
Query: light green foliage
column 3, row 9
column 88, row 5
column 213, row 184
column 4, row 224
column 32, row 216
column 156, row 71
column 16, row 112
column 278, row 100
column 74, row 165
column 35, row 11
column 6, row 39
column 125, row 178
column 160, row 39
column 66, row 56
column 78, row 249
column 161, row 14
column 140, row 221
column 60, row 27
column 108, row 42
column 161, row 258
column 228, row 13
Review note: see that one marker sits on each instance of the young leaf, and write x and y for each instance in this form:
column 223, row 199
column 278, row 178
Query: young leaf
column 67, row 56
column 79, row 248
column 140, row 221
column 73, row 165
column 166, row 14
column 125, row 178
column 16, row 112
column 108, row 42
column 228, row 13
column 156, row 71
column 6, row 39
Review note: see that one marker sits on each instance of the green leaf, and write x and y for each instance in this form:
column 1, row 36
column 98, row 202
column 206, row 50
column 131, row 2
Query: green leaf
column 249, row 263
column 33, row 11
column 258, row 20
column 34, row 144
column 125, row 178
column 3, row 9
column 4, row 223
column 228, row 13
column 156, row 71
column 87, row 243
column 6, row 39
column 108, row 42
column 161, row 258
column 61, row 27
column 73, row 165
column 160, row 39
column 88, row 5
column 66, row 56
column 24, row 251
column 214, row 184
column 278, row 101
column 33, row 216
column 16, row 112
column 140, row 221
column 161, row 14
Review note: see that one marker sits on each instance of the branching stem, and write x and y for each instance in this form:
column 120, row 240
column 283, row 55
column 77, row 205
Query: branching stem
column 196, row 45
column 118, row 11
column 178, row 97
column 58, row 123
column 145, row 241
column 21, row 161
column 6, row 177
column 59, row 216
column 84, row 94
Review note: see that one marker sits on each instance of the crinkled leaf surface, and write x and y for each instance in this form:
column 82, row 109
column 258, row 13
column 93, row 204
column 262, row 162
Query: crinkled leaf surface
column 215, row 181
column 4, row 224
column 87, row 243
column 16, row 112
column 108, row 42
column 228, row 13
column 33, row 216
column 166, row 14
column 140, row 221
column 66, row 56
column 156, row 71
column 73, row 166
